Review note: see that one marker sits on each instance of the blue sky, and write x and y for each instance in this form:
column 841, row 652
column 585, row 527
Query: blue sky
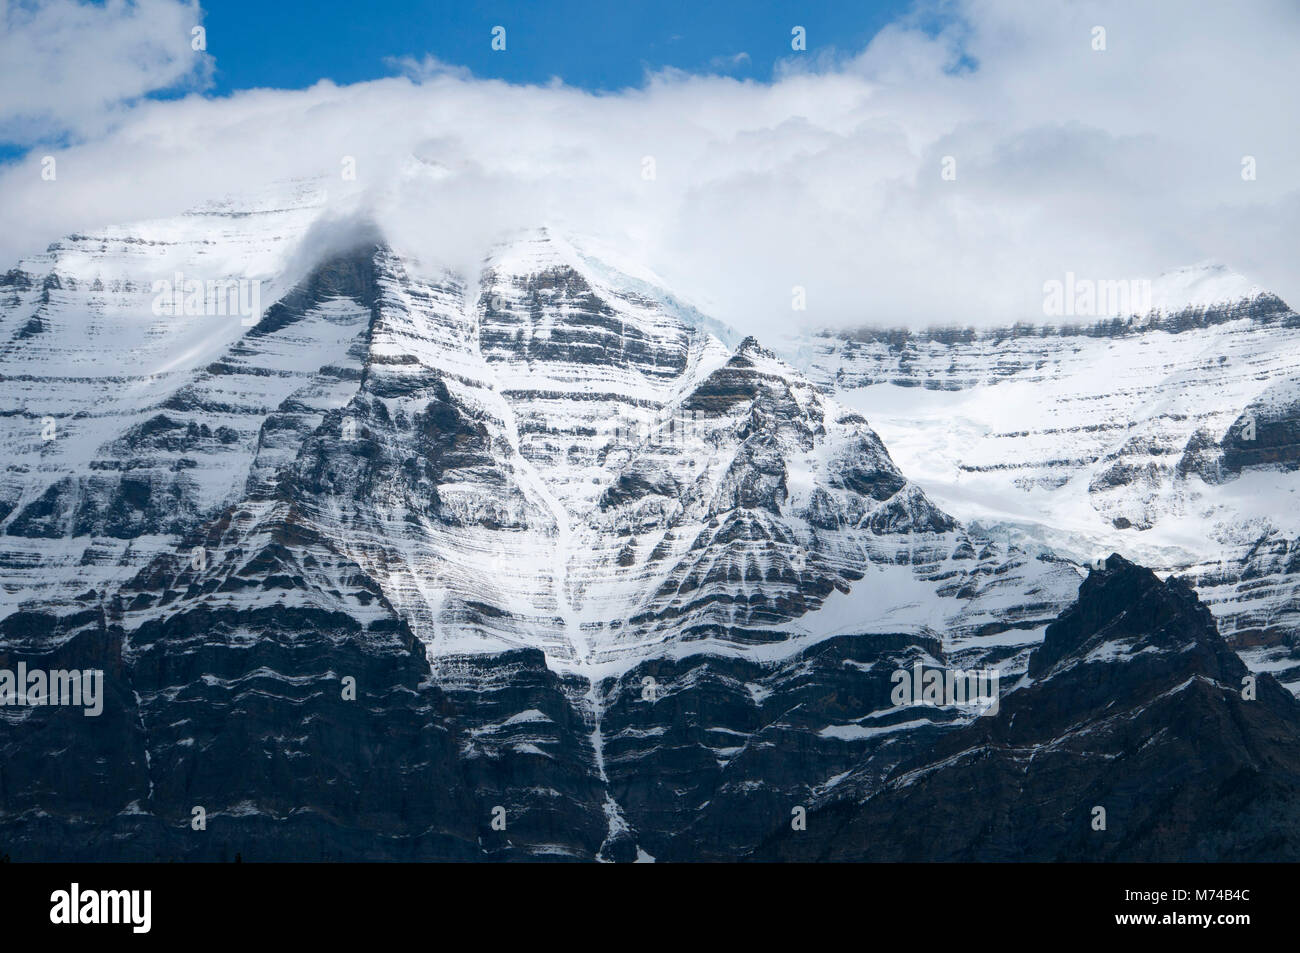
column 599, row 46
column 592, row 45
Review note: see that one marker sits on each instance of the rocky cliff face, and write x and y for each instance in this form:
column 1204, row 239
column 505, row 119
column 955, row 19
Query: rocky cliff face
column 535, row 563
column 1137, row 735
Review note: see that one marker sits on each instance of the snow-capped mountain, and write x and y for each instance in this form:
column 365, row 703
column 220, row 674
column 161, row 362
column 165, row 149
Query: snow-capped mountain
column 554, row 456
column 1171, row 436
column 389, row 560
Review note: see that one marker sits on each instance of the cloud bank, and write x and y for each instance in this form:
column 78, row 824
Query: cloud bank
column 68, row 68
column 939, row 176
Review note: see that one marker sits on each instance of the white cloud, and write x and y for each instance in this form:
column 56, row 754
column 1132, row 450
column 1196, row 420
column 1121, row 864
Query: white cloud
column 1116, row 164
column 728, row 62
column 66, row 67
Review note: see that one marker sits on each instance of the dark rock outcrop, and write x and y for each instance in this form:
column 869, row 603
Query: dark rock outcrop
column 1135, row 707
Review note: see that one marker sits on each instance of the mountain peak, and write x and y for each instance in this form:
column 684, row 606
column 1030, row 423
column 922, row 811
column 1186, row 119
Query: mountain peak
column 1203, row 285
column 750, row 347
column 1124, row 607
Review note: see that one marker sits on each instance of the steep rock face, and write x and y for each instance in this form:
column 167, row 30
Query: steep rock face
column 1133, row 705
column 1267, row 434
column 707, row 756
column 761, row 502
column 528, row 748
column 300, row 735
column 125, row 422
column 1170, row 436
column 228, row 733
column 70, row 783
